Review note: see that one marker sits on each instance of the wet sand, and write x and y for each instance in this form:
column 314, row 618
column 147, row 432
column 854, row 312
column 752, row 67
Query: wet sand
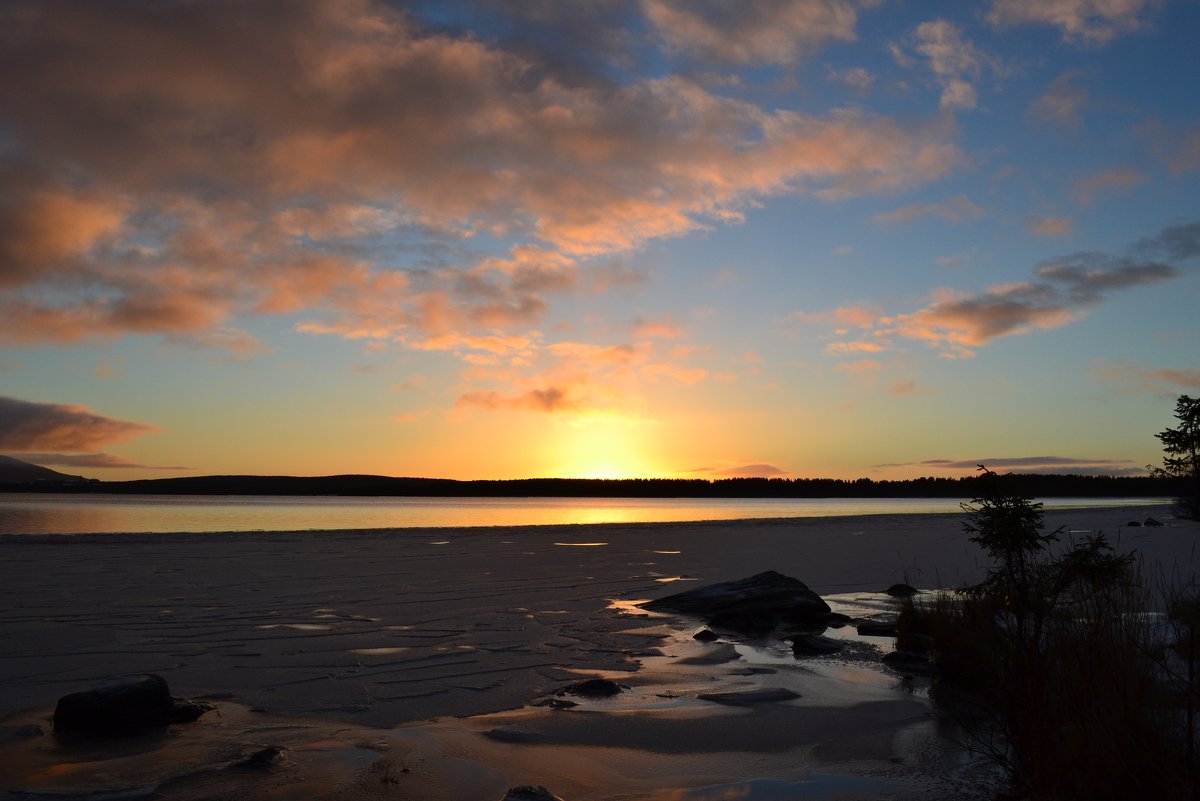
column 364, row 653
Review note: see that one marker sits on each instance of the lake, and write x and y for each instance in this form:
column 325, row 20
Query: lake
column 46, row 513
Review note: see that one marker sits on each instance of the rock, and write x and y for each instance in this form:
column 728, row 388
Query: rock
column 901, row 591
column 705, row 635
column 752, row 606
column 1150, row 521
column 836, row 620
column 529, row 793
column 766, row 695
column 594, row 688
column 29, row 730
column 908, row 662
column 814, row 645
column 123, row 707
column 874, row 628
column 1133, row 524
column 261, row 760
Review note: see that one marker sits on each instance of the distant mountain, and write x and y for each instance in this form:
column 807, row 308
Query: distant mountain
column 14, row 471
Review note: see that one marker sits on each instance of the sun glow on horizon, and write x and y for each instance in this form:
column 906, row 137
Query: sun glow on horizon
column 605, row 447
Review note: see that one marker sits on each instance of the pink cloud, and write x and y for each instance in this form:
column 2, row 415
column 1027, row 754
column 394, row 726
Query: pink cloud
column 957, row 209
column 1117, row 181
column 752, row 31
column 1050, row 226
column 1094, row 22
column 1155, row 380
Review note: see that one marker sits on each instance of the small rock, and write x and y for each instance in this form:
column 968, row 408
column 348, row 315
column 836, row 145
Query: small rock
column 907, row 662
column 261, row 760
column 530, row 793
column 29, row 730
column 901, row 591
column 1133, row 524
column 554, row 703
column 836, row 620
column 814, row 645
column 872, row 628
column 750, row 697
column 594, row 688
column 705, row 635
column 1150, row 521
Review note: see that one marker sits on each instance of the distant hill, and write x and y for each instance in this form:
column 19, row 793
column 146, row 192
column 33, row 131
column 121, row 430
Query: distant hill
column 14, row 471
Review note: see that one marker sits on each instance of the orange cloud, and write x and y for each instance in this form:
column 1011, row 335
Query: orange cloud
column 355, row 126
column 31, row 426
column 1059, row 292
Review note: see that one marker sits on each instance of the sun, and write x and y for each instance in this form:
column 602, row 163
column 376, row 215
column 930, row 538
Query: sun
column 604, row 447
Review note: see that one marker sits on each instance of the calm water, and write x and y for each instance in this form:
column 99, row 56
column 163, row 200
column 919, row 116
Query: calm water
column 33, row 513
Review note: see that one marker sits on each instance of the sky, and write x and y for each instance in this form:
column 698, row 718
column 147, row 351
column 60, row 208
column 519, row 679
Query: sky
column 604, row 238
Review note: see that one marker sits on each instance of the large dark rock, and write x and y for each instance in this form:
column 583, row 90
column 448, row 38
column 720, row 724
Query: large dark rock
column 902, row 590
column 754, row 606
column 123, row 707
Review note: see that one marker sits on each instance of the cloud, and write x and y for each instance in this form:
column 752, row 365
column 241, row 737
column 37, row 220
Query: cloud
column 31, row 426
column 1058, row 292
column 1094, row 22
column 1050, row 226
column 89, row 460
column 954, row 60
column 842, row 316
column 1031, row 464
column 752, row 471
column 235, row 179
column 1062, row 102
column 857, row 78
column 743, row 471
column 546, row 399
column 666, row 328
column 1117, row 181
column 752, row 31
column 1152, row 380
column 956, row 209
column 840, row 348
column 862, row 367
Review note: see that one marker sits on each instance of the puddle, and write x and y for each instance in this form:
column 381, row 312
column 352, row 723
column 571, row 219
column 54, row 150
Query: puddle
column 297, row 626
column 581, row 544
column 667, row 553
column 379, row 651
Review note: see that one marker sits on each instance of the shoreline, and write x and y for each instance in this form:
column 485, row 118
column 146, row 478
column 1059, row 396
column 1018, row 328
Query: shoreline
column 1131, row 505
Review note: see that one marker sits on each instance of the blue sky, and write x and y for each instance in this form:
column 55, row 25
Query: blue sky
column 496, row 239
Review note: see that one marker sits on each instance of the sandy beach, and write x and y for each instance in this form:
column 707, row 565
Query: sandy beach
column 408, row 663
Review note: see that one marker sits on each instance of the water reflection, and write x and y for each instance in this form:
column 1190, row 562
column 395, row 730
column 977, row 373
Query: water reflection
column 37, row 513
